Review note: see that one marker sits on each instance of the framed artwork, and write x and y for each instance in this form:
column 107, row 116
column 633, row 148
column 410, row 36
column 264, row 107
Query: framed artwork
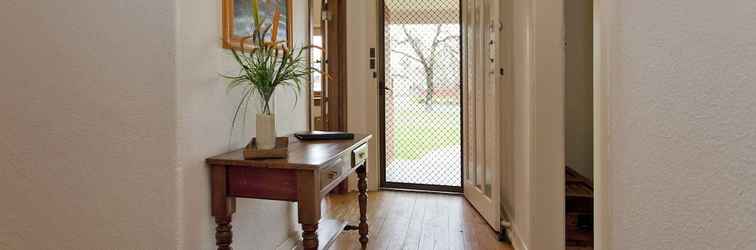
column 238, row 21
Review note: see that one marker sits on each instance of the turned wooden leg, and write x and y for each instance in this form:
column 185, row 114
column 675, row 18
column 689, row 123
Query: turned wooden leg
column 362, row 197
column 310, row 236
column 223, row 208
column 223, row 234
column 308, row 195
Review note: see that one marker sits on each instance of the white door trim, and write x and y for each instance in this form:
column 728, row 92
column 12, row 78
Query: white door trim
column 604, row 14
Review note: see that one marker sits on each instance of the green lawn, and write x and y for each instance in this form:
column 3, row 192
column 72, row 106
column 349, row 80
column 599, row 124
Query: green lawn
column 428, row 131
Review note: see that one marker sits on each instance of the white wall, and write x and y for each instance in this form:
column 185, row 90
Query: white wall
column 578, row 83
column 362, row 88
column 109, row 110
column 205, row 113
column 87, row 124
column 537, row 188
column 681, row 148
column 547, row 162
column 520, row 185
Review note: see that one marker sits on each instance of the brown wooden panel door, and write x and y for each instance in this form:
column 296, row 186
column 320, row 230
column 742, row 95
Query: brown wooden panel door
column 334, row 84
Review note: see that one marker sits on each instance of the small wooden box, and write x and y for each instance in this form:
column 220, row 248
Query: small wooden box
column 281, row 151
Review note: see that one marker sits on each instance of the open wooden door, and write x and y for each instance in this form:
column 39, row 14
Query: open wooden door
column 329, row 89
column 482, row 109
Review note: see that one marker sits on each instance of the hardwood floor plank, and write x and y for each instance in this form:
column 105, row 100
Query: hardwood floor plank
column 413, row 221
column 435, row 232
column 415, row 228
column 380, row 239
column 454, row 230
column 393, row 221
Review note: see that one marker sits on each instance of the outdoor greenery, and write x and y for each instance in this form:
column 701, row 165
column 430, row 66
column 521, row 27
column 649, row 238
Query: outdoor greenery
column 407, row 132
column 438, row 100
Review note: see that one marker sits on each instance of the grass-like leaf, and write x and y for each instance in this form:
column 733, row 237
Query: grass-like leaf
column 264, row 68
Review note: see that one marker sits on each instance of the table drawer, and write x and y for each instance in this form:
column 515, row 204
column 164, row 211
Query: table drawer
column 333, row 171
column 360, row 155
column 266, row 183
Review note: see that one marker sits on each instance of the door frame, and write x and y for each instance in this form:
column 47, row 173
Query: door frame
column 603, row 39
column 382, row 110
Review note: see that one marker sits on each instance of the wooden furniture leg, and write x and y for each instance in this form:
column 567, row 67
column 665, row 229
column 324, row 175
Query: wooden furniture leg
column 223, row 207
column 309, row 207
column 223, row 234
column 362, row 197
column 310, row 236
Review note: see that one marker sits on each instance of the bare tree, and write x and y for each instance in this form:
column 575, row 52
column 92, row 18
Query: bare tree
column 429, row 54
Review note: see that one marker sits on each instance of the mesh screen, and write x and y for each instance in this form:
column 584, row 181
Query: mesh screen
column 423, row 111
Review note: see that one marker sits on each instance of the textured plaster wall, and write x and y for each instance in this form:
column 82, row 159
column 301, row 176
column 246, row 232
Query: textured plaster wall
column 87, row 122
column 204, row 122
column 108, row 111
column 682, row 140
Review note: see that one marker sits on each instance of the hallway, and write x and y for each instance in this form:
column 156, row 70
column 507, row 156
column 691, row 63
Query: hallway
column 408, row 220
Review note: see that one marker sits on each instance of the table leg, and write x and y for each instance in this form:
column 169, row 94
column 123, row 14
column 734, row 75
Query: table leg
column 223, row 207
column 308, row 184
column 310, row 236
column 223, row 234
column 362, row 197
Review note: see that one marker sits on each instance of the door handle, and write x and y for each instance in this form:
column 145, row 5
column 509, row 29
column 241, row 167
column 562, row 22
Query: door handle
column 382, row 89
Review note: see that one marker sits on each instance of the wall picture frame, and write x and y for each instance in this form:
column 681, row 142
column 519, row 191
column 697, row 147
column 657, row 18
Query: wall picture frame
column 238, row 22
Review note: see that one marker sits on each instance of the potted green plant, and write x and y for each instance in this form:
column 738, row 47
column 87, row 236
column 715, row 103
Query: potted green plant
column 266, row 66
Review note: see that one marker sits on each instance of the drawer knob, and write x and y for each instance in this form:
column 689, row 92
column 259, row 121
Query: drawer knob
column 332, row 174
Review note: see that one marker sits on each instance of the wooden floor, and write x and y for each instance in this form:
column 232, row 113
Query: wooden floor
column 408, row 220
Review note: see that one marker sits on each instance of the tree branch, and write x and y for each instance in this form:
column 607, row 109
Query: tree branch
column 407, row 55
column 417, row 48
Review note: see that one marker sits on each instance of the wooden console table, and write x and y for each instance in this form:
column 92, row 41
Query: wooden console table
column 312, row 170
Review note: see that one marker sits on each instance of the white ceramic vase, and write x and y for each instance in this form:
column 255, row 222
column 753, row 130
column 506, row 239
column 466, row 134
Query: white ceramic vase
column 265, row 131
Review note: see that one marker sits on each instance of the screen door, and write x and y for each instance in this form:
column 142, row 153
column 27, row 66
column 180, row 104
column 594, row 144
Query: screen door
column 420, row 93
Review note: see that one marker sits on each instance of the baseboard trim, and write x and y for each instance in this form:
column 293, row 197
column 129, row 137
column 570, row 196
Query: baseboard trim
column 517, row 243
column 290, row 243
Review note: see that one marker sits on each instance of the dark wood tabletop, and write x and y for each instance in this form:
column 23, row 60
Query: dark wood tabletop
column 302, row 154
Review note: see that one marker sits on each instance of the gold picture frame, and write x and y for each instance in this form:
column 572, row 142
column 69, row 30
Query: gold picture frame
column 237, row 27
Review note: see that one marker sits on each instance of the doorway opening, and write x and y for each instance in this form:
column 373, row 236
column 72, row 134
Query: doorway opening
column 317, row 61
column 579, row 117
column 420, row 95
column 328, row 89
